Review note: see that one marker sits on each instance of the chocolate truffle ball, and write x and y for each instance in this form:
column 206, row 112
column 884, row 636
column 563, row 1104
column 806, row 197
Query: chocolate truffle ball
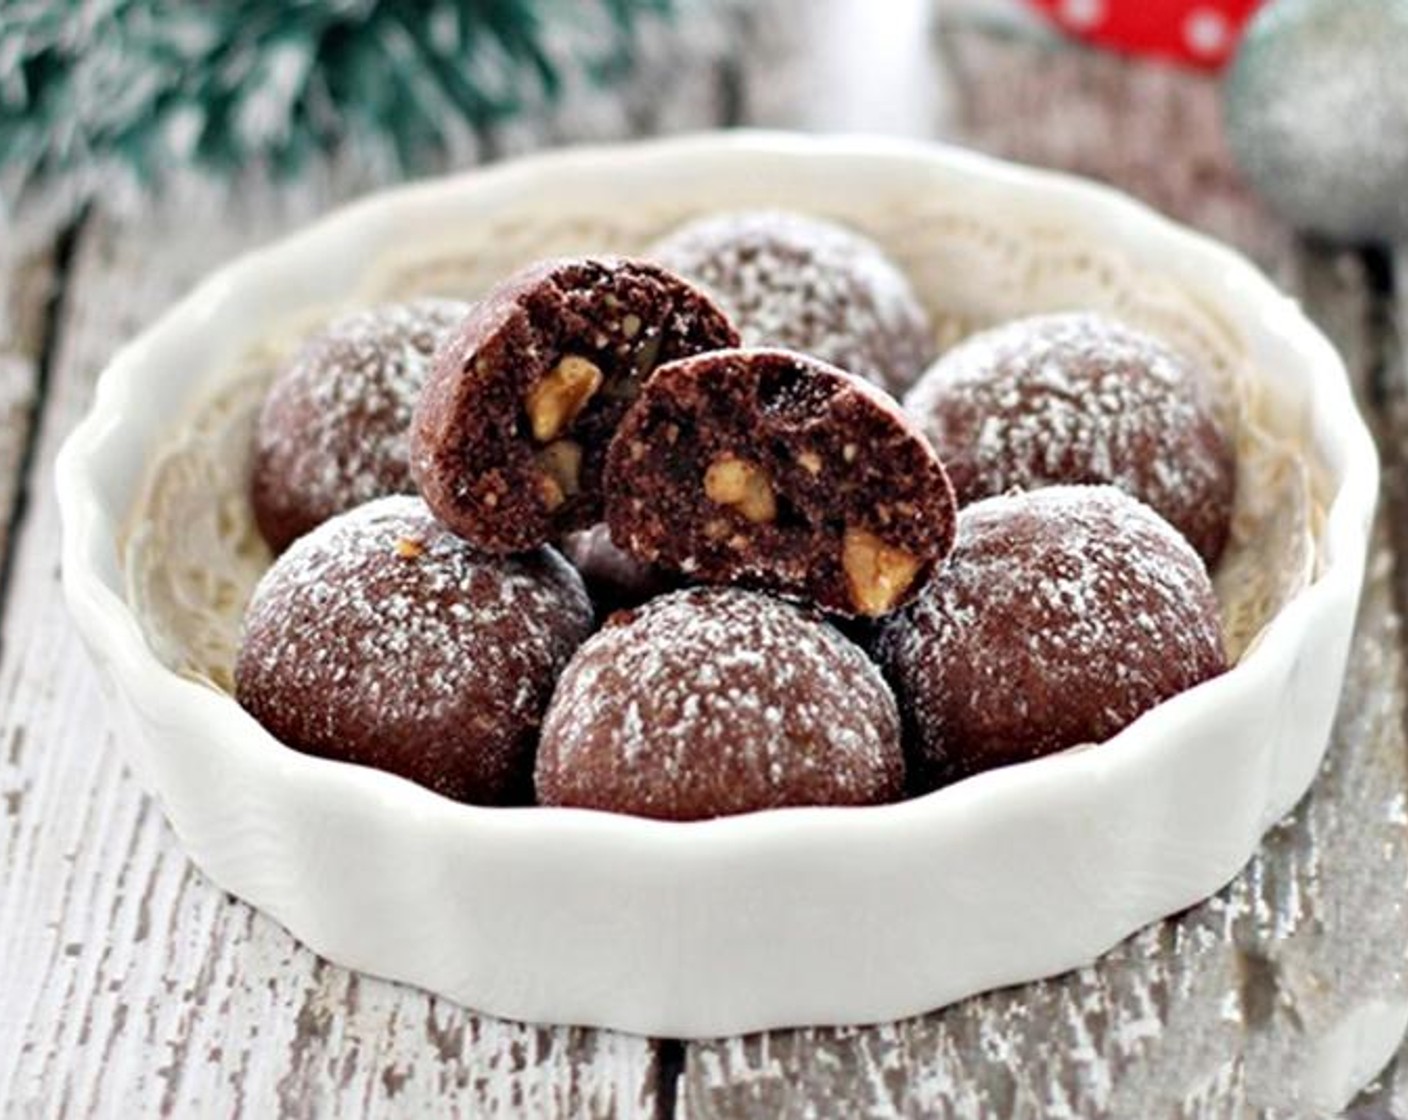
column 383, row 639
column 777, row 471
column 614, row 578
column 1079, row 398
column 804, row 284
column 334, row 430
column 711, row 701
column 510, row 435
column 1062, row 615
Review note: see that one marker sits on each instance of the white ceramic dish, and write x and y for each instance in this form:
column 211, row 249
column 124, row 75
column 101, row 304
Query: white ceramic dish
column 782, row 918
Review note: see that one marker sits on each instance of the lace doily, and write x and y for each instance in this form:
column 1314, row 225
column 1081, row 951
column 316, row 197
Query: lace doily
column 192, row 554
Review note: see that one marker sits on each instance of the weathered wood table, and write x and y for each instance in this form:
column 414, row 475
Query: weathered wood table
column 130, row 986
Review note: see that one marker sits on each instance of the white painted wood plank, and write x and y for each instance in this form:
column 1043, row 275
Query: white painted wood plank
column 129, row 985
column 26, row 277
column 1234, row 1008
column 1387, row 1098
column 1226, row 1010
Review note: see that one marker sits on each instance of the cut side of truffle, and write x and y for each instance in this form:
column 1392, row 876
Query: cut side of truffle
column 334, row 429
column 1062, row 615
column 713, row 701
column 510, row 436
column 802, row 283
column 774, row 470
column 1081, row 398
column 383, row 639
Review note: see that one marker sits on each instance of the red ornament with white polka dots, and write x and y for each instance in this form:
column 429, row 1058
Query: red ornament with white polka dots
column 1194, row 32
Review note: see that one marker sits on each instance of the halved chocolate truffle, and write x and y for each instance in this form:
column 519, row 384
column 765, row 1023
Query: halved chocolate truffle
column 510, row 435
column 777, row 471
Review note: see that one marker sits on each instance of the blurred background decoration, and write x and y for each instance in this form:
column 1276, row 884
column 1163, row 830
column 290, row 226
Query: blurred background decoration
column 1315, row 95
column 1199, row 33
column 106, row 99
column 1317, row 115
column 108, row 96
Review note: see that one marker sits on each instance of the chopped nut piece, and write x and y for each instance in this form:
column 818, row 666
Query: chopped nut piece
column 849, row 452
column 810, row 462
column 561, row 461
column 553, row 497
column 630, row 325
column 877, row 574
column 743, row 486
column 408, row 548
column 558, row 399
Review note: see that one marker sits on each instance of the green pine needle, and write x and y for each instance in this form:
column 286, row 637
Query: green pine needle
column 140, row 86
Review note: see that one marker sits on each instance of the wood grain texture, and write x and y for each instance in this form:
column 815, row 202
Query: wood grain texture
column 1387, row 393
column 1238, row 1006
column 1234, row 1008
column 1220, row 1012
column 1150, row 129
column 130, row 985
column 26, row 285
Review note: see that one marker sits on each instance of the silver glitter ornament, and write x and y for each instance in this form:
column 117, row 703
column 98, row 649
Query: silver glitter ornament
column 1317, row 114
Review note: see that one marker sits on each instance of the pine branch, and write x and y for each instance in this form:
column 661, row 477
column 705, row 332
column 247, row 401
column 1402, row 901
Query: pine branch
column 105, row 90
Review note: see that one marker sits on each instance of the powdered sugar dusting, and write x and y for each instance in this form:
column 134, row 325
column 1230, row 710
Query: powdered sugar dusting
column 381, row 619
column 1065, row 609
column 805, row 284
column 717, row 700
column 1079, row 398
column 334, row 429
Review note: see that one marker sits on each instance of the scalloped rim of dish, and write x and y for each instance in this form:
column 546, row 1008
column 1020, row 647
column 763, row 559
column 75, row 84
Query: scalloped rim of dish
column 94, row 507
